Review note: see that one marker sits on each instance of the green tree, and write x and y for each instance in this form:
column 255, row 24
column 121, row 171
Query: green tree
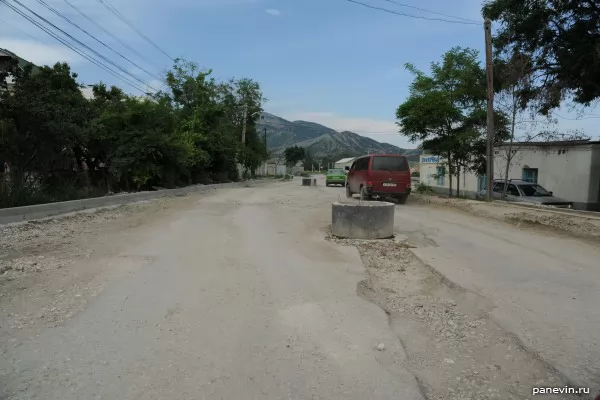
column 309, row 161
column 42, row 122
column 211, row 114
column 446, row 111
column 144, row 149
column 243, row 97
column 60, row 146
column 293, row 155
column 561, row 38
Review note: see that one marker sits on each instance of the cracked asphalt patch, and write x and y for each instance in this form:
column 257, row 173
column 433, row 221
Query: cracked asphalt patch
column 454, row 348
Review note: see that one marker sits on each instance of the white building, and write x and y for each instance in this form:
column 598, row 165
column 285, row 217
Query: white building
column 344, row 162
column 570, row 169
column 434, row 172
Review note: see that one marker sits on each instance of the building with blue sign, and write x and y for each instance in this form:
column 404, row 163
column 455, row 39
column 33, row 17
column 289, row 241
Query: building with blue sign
column 569, row 169
column 433, row 172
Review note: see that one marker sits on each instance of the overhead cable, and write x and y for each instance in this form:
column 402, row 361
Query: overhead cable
column 42, row 2
column 430, row 11
column 130, row 24
column 412, row 16
column 109, row 33
column 80, row 43
column 68, row 45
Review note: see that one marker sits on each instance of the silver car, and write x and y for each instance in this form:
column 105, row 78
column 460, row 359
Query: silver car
column 525, row 192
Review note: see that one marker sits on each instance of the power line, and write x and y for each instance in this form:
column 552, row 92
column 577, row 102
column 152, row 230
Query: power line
column 127, row 22
column 42, row 2
column 409, row 15
column 67, row 44
column 589, row 116
column 83, row 44
column 430, row 11
column 128, row 47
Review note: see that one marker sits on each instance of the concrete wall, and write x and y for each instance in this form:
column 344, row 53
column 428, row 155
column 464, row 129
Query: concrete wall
column 18, row 214
column 594, row 189
column 570, row 172
column 272, row 169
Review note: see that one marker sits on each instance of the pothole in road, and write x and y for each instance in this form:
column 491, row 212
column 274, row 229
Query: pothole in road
column 454, row 349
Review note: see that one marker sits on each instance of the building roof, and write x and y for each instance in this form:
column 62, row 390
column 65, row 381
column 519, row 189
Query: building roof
column 22, row 62
column 345, row 160
column 558, row 143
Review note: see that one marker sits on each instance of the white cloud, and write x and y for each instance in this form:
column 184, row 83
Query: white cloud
column 273, row 11
column 40, row 53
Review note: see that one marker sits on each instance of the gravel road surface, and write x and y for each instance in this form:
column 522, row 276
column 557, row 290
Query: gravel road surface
column 235, row 294
column 544, row 288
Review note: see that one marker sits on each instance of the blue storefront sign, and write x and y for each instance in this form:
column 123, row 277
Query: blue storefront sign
column 430, row 160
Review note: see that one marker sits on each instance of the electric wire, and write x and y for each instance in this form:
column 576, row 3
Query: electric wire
column 430, row 11
column 409, row 15
column 53, row 10
column 109, row 33
column 68, row 45
column 130, row 24
column 80, row 43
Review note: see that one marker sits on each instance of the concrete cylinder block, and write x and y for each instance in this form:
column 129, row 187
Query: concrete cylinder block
column 364, row 220
column 309, row 182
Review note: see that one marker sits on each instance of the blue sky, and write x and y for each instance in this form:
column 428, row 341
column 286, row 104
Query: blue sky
column 327, row 61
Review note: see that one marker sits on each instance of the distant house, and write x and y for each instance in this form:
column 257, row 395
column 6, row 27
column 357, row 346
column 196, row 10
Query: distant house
column 344, row 162
column 6, row 56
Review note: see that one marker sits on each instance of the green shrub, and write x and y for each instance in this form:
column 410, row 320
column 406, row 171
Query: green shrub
column 423, row 188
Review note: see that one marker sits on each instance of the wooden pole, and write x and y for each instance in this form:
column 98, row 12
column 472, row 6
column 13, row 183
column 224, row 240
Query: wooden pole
column 244, row 125
column 489, row 66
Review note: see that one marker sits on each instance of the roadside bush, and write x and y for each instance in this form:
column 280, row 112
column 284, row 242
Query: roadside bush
column 423, row 188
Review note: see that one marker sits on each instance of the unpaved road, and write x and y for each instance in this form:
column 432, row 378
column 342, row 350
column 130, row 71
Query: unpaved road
column 236, row 295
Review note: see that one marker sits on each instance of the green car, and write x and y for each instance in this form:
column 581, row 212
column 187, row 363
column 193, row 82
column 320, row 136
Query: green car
column 336, row 176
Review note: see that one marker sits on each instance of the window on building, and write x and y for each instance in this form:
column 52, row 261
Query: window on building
column 481, row 183
column 441, row 173
column 530, row 175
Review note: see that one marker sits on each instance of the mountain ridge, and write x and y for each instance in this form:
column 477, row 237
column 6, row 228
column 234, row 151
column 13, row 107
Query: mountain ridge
column 321, row 141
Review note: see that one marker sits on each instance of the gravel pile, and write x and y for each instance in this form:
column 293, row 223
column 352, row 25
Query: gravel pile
column 555, row 221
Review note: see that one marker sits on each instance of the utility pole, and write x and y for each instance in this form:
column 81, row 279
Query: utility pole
column 265, row 137
column 244, row 125
column 489, row 66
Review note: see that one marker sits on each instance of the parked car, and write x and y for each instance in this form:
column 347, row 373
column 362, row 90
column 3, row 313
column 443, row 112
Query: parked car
column 335, row 176
column 525, row 192
column 379, row 175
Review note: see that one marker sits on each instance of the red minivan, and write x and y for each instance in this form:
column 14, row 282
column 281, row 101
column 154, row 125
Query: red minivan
column 379, row 175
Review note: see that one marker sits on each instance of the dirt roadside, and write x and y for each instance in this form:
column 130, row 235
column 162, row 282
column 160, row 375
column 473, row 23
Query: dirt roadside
column 45, row 266
column 580, row 226
column 454, row 348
